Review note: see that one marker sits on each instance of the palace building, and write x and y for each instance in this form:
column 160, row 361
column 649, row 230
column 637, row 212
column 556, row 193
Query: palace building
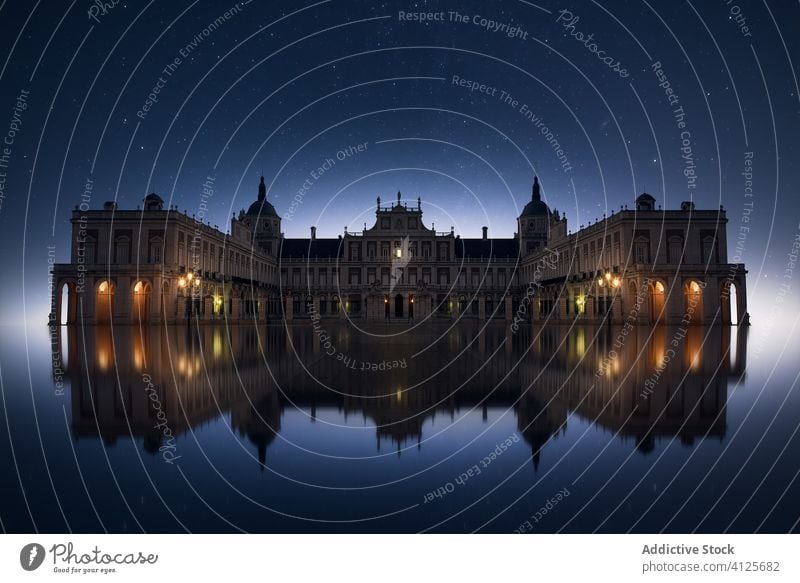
column 639, row 265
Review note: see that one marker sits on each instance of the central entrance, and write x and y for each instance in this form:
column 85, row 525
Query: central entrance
column 398, row 306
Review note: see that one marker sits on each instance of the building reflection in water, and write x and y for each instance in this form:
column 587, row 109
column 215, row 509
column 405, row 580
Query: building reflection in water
column 657, row 382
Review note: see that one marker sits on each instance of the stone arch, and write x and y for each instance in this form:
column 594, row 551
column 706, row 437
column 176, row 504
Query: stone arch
column 141, row 294
column 657, row 301
column 693, row 301
column 103, row 301
column 729, row 302
column 66, row 302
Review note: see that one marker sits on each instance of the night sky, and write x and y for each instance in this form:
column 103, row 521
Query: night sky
column 461, row 110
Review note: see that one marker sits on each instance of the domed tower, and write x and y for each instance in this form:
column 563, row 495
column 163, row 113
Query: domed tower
column 263, row 221
column 534, row 222
column 153, row 202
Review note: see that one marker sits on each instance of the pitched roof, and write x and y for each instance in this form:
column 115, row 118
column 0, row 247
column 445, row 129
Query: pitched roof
column 311, row 248
column 486, row 248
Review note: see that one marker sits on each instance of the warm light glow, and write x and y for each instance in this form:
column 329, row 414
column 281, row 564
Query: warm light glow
column 659, row 287
column 103, row 287
column 189, row 276
column 411, row 299
column 608, row 275
column 600, row 281
column 694, row 287
column 615, row 282
column 197, row 282
column 398, row 253
column 217, row 300
column 385, row 300
column 137, row 289
column 182, row 282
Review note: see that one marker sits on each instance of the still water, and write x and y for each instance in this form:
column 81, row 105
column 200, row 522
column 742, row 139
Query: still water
column 443, row 429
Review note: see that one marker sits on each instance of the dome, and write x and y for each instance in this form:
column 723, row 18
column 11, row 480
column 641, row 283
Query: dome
column 645, row 202
column 261, row 206
column 153, row 202
column 536, row 207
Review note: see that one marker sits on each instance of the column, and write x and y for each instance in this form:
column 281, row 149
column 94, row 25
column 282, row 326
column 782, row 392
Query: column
column 509, row 308
column 616, row 306
column 155, row 301
column 563, row 303
column 236, row 310
column 591, row 314
column 123, row 299
column 288, row 308
column 181, row 308
column 481, row 308
column 742, row 318
column 208, row 308
column 674, row 301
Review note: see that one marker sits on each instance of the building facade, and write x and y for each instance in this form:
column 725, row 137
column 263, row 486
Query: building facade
column 156, row 264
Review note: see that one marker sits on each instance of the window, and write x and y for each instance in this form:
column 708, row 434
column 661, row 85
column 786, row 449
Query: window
column 642, row 250
column 675, row 249
column 155, row 251
column 708, row 249
column 122, row 251
column 90, row 250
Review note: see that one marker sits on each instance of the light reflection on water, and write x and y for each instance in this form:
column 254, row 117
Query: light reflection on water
column 267, row 429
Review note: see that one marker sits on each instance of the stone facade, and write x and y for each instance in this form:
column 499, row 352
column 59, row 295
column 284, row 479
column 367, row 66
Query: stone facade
column 160, row 265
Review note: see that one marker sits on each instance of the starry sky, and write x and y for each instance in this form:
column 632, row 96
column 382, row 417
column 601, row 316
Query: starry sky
column 337, row 102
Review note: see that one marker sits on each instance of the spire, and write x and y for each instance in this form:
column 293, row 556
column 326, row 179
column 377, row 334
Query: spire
column 535, row 193
column 398, row 197
column 262, row 190
column 379, row 203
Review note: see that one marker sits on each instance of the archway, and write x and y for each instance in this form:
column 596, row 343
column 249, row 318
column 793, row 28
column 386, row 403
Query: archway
column 398, row 306
column 728, row 302
column 658, row 294
column 141, row 302
column 67, row 304
column 693, row 302
column 104, row 302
